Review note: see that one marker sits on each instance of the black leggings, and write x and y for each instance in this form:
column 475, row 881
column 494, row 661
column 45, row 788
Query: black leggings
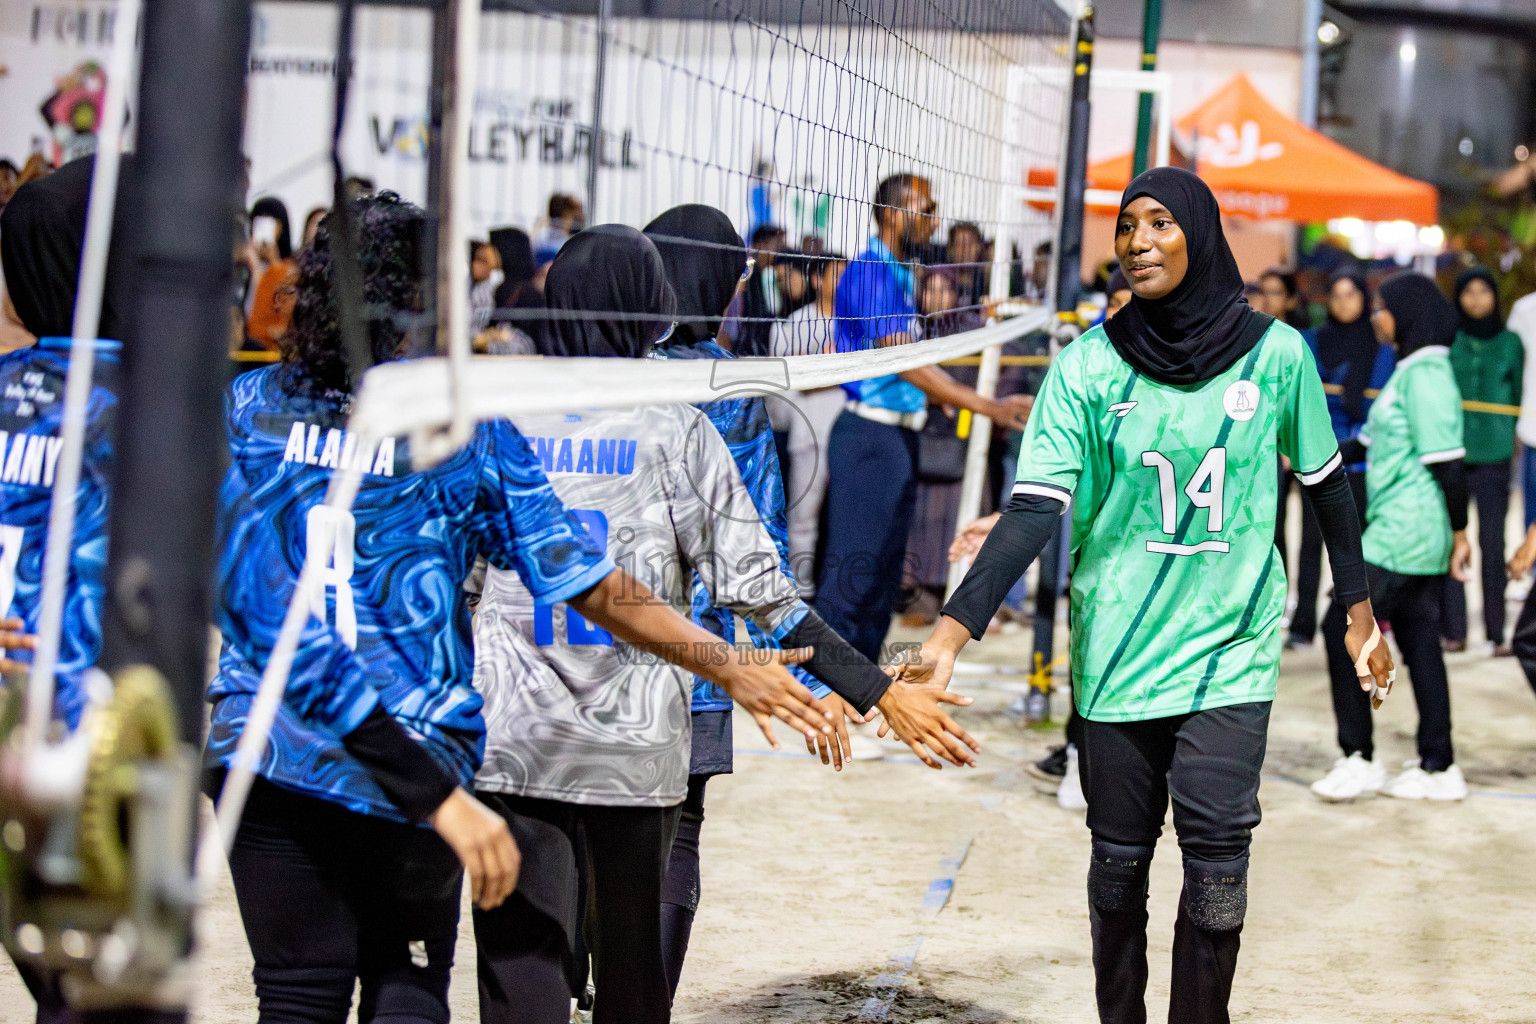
column 1523, row 640
column 1208, row 763
column 1489, row 486
column 524, row 954
column 330, row 898
column 1412, row 605
column 680, row 892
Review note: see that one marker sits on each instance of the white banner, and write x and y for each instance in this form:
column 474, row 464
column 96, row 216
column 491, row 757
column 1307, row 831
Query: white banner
column 701, row 111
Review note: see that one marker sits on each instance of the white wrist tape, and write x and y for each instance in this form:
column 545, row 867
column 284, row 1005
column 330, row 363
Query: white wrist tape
column 1363, row 663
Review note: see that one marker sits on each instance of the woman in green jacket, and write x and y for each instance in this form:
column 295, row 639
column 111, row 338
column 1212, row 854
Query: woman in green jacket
column 1489, row 362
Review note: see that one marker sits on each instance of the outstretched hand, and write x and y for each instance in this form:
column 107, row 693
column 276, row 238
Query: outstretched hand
column 914, row 713
column 836, row 748
column 769, row 691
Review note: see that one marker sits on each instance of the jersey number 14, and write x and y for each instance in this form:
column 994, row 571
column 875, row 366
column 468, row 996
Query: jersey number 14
column 1204, row 491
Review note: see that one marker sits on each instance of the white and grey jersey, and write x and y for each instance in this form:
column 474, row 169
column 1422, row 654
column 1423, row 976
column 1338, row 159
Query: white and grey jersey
column 571, row 713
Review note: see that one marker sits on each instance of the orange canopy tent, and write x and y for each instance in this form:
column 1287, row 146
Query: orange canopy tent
column 1263, row 164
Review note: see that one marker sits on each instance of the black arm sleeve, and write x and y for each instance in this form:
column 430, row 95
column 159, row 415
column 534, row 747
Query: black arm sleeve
column 850, row 675
column 1452, row 478
column 1352, row 452
column 1021, row 532
column 407, row 774
column 1334, row 505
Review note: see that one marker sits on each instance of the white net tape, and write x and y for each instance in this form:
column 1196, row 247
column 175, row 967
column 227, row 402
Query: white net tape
column 406, row 397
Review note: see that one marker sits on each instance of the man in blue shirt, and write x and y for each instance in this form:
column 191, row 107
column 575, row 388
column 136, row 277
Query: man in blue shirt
column 872, row 453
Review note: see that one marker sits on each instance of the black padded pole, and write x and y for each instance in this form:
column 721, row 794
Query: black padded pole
column 182, row 202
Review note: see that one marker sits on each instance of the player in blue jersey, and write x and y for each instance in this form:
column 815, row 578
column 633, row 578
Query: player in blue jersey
column 42, row 231
column 380, row 726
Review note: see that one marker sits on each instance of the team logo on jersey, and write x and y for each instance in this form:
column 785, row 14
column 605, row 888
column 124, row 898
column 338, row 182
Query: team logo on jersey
column 1241, row 400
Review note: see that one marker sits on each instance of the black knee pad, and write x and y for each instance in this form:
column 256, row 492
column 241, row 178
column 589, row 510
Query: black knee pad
column 1117, row 876
column 1216, row 894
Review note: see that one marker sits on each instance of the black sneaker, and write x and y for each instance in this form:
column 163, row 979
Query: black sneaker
column 1050, row 768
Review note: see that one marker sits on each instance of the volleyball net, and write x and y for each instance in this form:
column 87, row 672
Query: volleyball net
column 787, row 117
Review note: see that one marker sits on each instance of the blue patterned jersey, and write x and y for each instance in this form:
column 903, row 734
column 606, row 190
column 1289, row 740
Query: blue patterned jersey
column 389, row 624
column 743, row 423
column 31, row 414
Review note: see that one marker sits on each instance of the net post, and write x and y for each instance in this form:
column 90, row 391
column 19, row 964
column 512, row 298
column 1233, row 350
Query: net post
column 1151, row 29
column 168, row 460
column 160, row 570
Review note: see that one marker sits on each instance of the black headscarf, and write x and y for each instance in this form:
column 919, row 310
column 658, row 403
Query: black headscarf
column 703, row 277
column 1480, row 327
column 516, row 262
column 1204, row 325
column 42, row 231
column 608, row 269
column 1422, row 315
column 1353, row 343
column 271, row 206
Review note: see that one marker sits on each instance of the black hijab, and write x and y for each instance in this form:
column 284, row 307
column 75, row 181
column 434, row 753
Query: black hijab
column 1352, row 345
column 271, row 206
column 42, row 230
column 703, row 276
column 1484, row 327
column 608, row 269
column 516, row 262
column 1423, row 317
column 1204, row 325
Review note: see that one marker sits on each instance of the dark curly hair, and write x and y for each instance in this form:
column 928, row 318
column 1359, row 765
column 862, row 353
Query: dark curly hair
column 390, row 233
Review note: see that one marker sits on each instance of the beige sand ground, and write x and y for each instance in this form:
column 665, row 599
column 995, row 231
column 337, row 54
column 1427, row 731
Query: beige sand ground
column 1379, row 912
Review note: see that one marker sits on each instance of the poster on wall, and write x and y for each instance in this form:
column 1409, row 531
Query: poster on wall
column 53, row 78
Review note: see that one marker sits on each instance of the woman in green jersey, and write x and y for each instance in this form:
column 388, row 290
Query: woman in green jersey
column 1417, row 512
column 1164, row 426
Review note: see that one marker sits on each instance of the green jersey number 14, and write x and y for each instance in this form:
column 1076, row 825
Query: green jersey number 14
column 1204, row 490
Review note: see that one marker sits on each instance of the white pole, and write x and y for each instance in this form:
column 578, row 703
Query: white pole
column 82, row 352
column 1164, row 123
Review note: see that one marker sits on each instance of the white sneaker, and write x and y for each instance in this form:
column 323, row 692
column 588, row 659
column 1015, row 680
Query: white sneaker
column 1069, row 795
column 1351, row 777
column 1417, row 784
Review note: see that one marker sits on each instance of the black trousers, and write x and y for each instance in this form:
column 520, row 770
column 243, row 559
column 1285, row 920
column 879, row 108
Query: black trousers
column 681, row 890
column 1208, row 763
column 524, row 954
column 1412, row 605
column 1523, row 640
column 330, row 897
column 867, row 516
column 1489, row 487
